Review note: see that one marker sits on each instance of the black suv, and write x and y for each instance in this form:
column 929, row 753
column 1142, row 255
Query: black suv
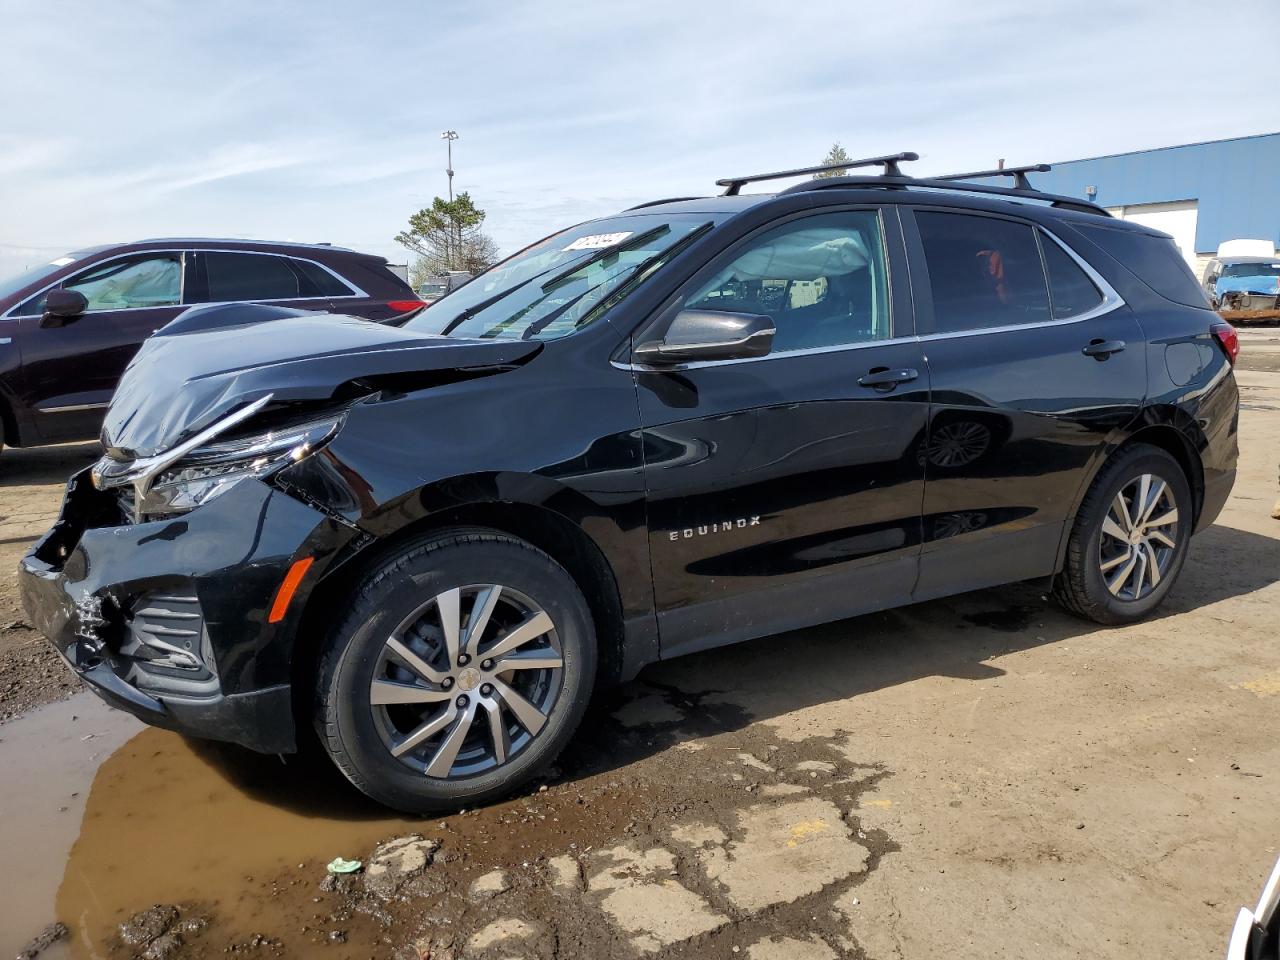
column 689, row 424
column 68, row 328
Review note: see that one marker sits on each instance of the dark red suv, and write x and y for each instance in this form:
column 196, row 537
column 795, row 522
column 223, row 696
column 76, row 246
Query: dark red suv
column 61, row 356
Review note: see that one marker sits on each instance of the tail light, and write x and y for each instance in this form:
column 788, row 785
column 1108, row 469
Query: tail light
column 404, row 306
column 1228, row 338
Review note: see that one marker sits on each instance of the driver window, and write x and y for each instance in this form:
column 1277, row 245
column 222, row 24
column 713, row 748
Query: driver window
column 820, row 279
column 132, row 283
column 983, row 272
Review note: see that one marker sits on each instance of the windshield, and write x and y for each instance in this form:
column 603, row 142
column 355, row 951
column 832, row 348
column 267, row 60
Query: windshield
column 1266, row 269
column 11, row 285
column 564, row 282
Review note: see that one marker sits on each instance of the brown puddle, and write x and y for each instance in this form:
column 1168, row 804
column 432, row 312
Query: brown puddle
column 236, row 837
column 241, row 840
column 47, row 763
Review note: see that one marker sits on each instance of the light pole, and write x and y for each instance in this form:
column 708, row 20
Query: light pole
column 449, row 136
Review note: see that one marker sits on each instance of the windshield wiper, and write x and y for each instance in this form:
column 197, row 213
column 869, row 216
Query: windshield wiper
column 638, row 269
column 620, row 247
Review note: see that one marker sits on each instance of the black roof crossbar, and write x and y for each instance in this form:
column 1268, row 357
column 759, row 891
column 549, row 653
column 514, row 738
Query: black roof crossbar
column 1019, row 174
column 935, row 183
column 890, row 163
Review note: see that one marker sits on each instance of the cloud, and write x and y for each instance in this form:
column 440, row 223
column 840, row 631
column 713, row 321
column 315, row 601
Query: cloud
column 307, row 119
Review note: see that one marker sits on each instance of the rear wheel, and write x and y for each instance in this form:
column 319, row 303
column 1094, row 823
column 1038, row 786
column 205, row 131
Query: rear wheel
column 462, row 669
column 1129, row 539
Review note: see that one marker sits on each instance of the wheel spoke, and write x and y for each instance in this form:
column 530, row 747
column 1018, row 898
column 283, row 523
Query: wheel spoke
column 531, row 629
column 1116, row 561
column 424, row 732
column 383, row 692
column 442, row 762
column 1112, row 529
column 1153, row 500
column 481, row 610
column 1121, row 510
column 1162, row 537
column 1163, row 520
column 448, row 604
column 1140, row 574
column 1116, row 583
column 497, row 730
column 1153, row 565
column 414, row 662
column 530, row 717
column 530, row 660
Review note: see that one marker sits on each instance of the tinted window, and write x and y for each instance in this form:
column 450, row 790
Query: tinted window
column 984, row 272
column 249, row 276
column 1070, row 289
column 124, row 284
column 1153, row 260
column 821, row 279
column 321, row 282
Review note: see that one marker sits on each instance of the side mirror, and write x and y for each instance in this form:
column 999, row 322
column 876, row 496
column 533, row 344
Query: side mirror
column 708, row 335
column 63, row 306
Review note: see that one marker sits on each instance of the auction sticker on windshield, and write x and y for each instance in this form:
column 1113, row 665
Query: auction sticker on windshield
column 598, row 241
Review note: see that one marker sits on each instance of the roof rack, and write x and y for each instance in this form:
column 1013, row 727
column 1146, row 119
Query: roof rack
column 938, row 183
column 1019, row 174
column 890, row 163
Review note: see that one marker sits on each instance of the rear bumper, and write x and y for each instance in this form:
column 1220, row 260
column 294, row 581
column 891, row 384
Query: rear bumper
column 168, row 620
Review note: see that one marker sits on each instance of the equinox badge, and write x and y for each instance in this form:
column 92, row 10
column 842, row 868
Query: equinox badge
column 724, row 526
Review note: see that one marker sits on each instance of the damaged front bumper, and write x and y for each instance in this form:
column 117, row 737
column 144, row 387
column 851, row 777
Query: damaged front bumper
column 169, row 619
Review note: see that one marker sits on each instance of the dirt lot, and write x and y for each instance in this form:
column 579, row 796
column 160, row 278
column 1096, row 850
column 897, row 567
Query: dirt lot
column 982, row 776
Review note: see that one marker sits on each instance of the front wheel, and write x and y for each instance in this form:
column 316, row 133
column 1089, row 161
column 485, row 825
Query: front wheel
column 1129, row 539
column 462, row 669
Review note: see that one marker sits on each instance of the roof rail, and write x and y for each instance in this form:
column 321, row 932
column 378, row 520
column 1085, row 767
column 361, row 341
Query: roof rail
column 890, row 163
column 1019, row 174
column 654, row 203
column 935, row 183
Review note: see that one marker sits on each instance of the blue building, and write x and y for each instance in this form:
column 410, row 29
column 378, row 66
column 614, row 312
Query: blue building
column 1200, row 193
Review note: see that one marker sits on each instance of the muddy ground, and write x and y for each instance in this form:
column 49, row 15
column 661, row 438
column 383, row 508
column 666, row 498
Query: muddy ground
column 982, row 776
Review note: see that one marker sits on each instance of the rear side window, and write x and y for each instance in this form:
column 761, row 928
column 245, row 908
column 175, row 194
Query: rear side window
column 983, row 272
column 1153, row 260
column 322, row 282
column 1070, row 289
column 250, row 276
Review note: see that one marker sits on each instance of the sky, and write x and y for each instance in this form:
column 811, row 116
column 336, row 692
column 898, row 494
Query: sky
column 320, row 121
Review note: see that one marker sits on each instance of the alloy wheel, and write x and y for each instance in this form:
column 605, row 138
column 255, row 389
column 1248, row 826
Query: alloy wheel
column 1139, row 537
column 466, row 681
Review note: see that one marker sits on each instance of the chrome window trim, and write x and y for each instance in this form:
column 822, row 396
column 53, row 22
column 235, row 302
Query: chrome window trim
column 183, row 252
column 73, row 408
column 1111, row 300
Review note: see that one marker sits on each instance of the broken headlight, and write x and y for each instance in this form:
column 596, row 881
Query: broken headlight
column 211, row 470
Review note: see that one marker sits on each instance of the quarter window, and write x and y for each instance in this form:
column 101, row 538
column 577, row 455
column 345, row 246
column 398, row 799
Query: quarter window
column 820, row 279
column 983, row 272
column 250, row 276
column 124, row 284
column 1070, row 289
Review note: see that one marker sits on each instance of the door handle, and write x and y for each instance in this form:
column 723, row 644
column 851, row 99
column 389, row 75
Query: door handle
column 884, row 379
column 1101, row 349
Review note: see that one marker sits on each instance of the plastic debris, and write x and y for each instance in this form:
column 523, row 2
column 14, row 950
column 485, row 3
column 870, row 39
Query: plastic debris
column 338, row 865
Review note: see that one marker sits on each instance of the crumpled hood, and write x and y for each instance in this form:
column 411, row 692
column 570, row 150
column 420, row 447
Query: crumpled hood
column 203, row 366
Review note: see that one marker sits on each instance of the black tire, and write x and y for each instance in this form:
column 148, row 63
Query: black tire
column 1082, row 587
column 391, row 591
